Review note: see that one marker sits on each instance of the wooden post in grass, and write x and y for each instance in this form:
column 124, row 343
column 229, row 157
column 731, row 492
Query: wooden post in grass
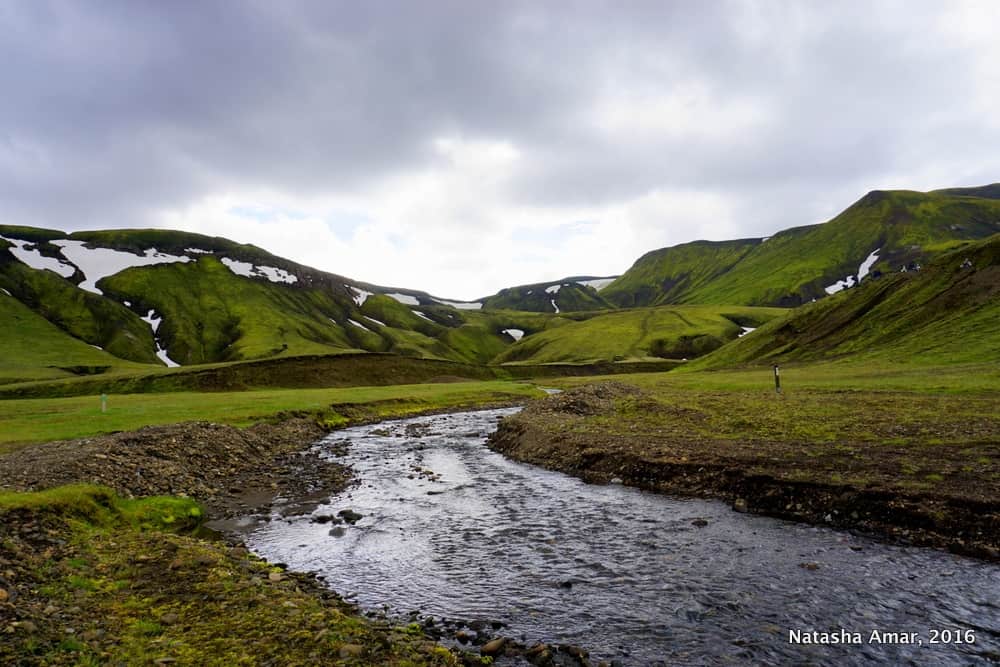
column 777, row 379
column 104, row 402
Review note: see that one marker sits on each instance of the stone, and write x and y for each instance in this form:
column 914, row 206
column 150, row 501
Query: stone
column 275, row 576
column 740, row 505
column 4, row 595
column 493, row 647
column 350, row 516
column 809, row 566
column 701, row 523
column 170, row 618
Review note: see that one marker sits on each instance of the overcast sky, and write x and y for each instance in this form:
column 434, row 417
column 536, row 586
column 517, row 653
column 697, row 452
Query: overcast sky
column 461, row 147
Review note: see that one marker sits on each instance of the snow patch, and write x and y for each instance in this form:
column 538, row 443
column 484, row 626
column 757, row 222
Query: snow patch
column 152, row 320
column 6, row 292
column 97, row 263
column 419, row 314
column 360, row 295
column 154, row 323
column 867, row 264
column 765, row 239
column 36, row 260
column 198, row 251
column 461, row 305
column 355, row 323
column 746, row 330
column 598, row 283
column 554, row 306
column 128, row 304
column 851, row 281
column 516, row 334
column 97, row 347
column 552, row 289
column 403, row 298
column 379, row 322
column 275, row 275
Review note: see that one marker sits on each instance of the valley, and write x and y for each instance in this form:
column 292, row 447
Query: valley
column 220, row 365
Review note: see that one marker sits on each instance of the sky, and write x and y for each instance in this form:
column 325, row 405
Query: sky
column 459, row 147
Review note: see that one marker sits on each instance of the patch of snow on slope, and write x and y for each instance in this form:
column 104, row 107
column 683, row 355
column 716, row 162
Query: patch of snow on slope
column 6, row 292
column 403, row 298
column 97, row 347
column 746, row 330
column 516, row 334
column 379, row 322
column 275, row 275
column 461, row 305
column 37, row 260
column 552, row 289
column 360, row 295
column 554, row 306
column 839, row 285
column 355, row 323
column 598, row 283
column 867, row 264
column 154, row 323
column 419, row 314
column 97, row 263
column 152, row 320
column 198, row 251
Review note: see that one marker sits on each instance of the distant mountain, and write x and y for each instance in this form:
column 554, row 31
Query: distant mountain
column 579, row 293
column 947, row 312
column 167, row 297
column 882, row 232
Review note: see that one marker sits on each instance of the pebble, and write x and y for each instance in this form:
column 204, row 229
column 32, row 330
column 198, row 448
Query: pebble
column 4, row 595
column 493, row 647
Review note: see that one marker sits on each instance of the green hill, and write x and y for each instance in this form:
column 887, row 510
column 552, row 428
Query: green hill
column 568, row 295
column 893, row 228
column 670, row 332
column 948, row 312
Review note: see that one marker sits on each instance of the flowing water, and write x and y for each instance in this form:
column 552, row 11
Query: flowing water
column 620, row 572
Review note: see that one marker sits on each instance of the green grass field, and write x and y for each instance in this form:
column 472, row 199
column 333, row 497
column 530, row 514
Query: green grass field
column 41, row 420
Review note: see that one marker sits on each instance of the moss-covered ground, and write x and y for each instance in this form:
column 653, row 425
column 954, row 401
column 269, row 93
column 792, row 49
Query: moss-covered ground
column 87, row 578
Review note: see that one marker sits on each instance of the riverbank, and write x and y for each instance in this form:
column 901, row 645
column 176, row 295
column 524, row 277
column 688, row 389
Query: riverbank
column 82, row 584
column 920, row 470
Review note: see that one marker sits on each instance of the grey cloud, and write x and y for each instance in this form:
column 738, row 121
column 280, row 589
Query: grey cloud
column 114, row 110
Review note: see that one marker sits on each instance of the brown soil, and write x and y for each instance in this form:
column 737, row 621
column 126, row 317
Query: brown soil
column 582, row 432
column 230, row 470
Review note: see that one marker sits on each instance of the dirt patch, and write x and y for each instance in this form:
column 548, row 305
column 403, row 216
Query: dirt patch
column 617, row 432
column 230, row 470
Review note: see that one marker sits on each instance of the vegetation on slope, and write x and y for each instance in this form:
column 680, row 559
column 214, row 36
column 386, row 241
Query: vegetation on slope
column 83, row 315
column 945, row 313
column 33, row 348
column 794, row 266
column 671, row 332
column 568, row 295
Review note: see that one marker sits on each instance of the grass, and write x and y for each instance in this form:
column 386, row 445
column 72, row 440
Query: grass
column 794, row 265
column 41, row 420
column 137, row 588
column 666, row 332
column 943, row 314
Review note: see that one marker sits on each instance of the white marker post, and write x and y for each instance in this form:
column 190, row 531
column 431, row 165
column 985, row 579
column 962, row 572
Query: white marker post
column 777, row 379
column 104, row 402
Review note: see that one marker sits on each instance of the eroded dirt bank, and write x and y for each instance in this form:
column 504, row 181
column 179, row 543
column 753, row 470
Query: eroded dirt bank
column 615, row 432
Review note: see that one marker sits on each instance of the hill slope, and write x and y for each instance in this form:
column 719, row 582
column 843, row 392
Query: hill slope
column 948, row 312
column 579, row 293
column 881, row 232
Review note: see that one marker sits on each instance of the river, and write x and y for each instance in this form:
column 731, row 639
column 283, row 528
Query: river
column 456, row 531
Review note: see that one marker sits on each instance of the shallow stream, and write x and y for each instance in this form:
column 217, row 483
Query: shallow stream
column 456, row 531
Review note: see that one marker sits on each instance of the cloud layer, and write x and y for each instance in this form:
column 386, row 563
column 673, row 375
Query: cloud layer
column 462, row 147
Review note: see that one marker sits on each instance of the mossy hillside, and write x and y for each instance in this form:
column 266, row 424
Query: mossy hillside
column 572, row 296
column 942, row 314
column 793, row 266
column 92, row 318
column 669, row 274
column 33, row 348
column 665, row 332
column 136, row 588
